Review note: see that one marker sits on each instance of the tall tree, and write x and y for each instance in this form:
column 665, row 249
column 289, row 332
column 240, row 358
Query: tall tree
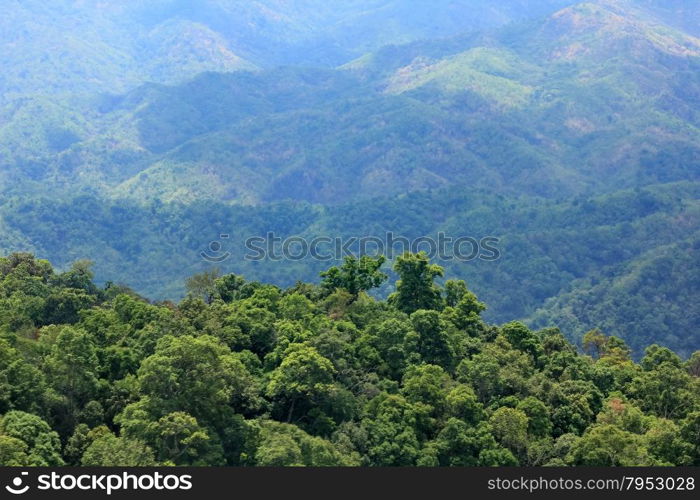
column 355, row 275
column 416, row 288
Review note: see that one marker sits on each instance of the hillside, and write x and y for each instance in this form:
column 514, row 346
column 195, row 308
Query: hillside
column 652, row 297
column 95, row 46
column 537, row 109
column 551, row 252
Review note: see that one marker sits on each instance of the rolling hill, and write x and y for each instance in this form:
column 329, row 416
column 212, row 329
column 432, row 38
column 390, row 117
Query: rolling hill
column 94, row 46
column 540, row 109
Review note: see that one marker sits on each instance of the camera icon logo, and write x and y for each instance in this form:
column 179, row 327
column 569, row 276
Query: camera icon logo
column 214, row 252
column 16, row 487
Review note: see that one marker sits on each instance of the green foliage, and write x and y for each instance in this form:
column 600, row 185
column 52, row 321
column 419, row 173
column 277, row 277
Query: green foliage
column 284, row 445
column 355, row 275
column 522, row 339
column 460, row 445
column 260, row 376
column 179, row 439
column 72, row 369
column 197, row 375
column 609, row 446
column 108, row 450
column 13, row 452
column 41, row 445
column 303, row 380
column 416, row 288
column 429, row 341
column 203, row 285
column 510, row 429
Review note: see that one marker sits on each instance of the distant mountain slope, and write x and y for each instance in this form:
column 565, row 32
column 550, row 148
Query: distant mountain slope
column 593, row 98
column 67, row 46
column 682, row 14
column 652, row 297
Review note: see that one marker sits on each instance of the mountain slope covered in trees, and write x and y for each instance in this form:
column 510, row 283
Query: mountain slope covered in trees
column 616, row 262
column 569, row 131
column 540, row 108
column 242, row 373
column 69, row 46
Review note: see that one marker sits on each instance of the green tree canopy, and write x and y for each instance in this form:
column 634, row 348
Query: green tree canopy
column 416, row 288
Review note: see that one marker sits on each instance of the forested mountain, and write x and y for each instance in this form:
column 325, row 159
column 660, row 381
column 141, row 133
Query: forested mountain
column 243, row 373
column 134, row 134
column 539, row 109
column 591, row 261
column 91, row 45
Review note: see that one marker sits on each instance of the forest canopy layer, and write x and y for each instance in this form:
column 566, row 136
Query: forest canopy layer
column 244, row 373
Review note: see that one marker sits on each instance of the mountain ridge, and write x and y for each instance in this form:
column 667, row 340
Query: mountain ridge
column 498, row 112
column 94, row 46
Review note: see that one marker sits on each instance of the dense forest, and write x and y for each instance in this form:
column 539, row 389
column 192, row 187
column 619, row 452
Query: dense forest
column 625, row 262
column 245, row 373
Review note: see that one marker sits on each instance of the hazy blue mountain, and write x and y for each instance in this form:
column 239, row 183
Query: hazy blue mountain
column 91, row 45
column 682, row 14
column 540, row 108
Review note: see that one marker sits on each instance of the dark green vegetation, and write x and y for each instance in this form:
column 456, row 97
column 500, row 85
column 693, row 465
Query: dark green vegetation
column 242, row 373
column 626, row 262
